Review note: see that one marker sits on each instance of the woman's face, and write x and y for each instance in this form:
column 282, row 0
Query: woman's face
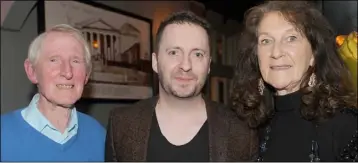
column 284, row 53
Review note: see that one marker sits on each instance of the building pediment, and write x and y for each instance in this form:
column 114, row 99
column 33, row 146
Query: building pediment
column 95, row 24
column 127, row 28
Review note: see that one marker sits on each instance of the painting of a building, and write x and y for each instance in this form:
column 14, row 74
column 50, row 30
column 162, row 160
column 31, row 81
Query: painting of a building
column 115, row 52
column 132, row 43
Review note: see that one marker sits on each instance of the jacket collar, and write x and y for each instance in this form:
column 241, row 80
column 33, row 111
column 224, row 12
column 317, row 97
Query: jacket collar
column 217, row 141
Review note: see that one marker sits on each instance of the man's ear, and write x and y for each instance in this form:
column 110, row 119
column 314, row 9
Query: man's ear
column 155, row 62
column 88, row 76
column 30, row 71
column 209, row 65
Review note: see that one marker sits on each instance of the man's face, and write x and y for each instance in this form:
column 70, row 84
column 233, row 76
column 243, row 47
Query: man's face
column 183, row 60
column 60, row 69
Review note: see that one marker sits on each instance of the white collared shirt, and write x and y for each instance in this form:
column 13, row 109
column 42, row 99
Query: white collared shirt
column 37, row 120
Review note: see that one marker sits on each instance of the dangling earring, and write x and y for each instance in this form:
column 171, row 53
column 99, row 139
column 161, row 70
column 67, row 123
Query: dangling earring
column 312, row 81
column 261, row 87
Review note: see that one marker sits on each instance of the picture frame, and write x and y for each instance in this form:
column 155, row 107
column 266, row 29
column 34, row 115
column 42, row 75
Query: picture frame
column 120, row 44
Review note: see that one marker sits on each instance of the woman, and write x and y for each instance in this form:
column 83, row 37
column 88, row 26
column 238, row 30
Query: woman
column 292, row 85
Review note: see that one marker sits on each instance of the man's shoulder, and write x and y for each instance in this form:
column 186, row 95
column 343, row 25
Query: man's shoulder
column 227, row 114
column 9, row 117
column 215, row 104
column 11, row 124
column 88, row 121
column 223, row 110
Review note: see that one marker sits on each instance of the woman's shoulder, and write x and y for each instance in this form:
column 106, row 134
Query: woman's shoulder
column 346, row 118
column 343, row 126
column 343, row 121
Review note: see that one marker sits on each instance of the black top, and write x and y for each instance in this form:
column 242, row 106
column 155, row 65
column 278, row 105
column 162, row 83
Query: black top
column 291, row 138
column 160, row 149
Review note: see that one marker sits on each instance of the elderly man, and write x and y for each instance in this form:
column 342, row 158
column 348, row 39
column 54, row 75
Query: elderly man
column 50, row 128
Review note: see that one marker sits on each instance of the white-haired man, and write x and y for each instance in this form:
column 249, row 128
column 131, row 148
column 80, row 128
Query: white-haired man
column 50, row 128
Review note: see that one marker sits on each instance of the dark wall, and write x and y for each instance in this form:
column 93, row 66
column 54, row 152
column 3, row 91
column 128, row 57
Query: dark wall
column 341, row 14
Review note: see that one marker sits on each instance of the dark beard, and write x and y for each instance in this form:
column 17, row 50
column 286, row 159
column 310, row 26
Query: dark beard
column 166, row 87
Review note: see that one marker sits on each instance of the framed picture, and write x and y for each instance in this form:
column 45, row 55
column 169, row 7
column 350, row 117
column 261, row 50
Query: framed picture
column 120, row 44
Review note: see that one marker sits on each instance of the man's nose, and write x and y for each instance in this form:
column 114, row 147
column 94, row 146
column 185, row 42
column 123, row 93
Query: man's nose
column 66, row 70
column 186, row 64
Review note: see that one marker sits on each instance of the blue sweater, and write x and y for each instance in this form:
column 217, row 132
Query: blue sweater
column 21, row 142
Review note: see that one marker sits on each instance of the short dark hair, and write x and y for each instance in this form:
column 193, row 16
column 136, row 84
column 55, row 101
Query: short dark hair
column 333, row 90
column 180, row 17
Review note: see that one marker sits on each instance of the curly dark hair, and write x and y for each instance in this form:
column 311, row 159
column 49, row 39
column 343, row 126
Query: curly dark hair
column 333, row 90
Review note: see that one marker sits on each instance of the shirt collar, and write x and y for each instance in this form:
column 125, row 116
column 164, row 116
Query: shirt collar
column 36, row 119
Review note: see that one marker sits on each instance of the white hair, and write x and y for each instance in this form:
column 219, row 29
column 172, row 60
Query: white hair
column 36, row 44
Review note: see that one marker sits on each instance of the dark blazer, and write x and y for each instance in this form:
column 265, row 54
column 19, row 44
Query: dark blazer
column 129, row 128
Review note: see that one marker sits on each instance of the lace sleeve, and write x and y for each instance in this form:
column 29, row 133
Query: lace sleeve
column 350, row 151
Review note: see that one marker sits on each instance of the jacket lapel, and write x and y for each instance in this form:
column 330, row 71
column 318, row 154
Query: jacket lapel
column 218, row 134
column 142, row 130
